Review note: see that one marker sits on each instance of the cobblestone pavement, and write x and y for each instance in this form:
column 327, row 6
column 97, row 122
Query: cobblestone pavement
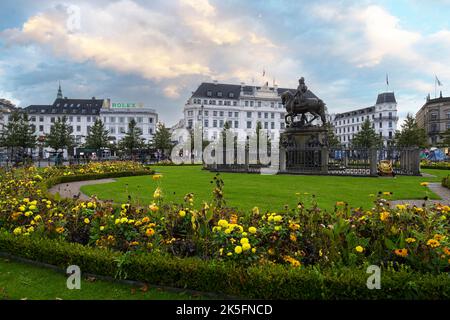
column 72, row 189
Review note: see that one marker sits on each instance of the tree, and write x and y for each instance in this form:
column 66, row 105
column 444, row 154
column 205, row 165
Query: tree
column 132, row 140
column 445, row 136
column 332, row 139
column 97, row 137
column 367, row 137
column 18, row 134
column 162, row 138
column 60, row 136
column 410, row 134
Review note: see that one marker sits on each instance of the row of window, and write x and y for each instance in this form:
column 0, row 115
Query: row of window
column 70, row 119
column 349, row 138
column 235, row 114
column 347, row 129
column 111, row 130
column 246, row 103
column 221, row 123
column 122, row 119
column 362, row 119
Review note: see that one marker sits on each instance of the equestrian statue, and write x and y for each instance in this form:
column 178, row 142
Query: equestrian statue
column 299, row 104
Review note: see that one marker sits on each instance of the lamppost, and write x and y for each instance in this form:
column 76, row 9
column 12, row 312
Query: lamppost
column 203, row 123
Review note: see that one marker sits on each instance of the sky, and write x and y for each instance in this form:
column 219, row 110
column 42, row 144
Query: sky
column 158, row 52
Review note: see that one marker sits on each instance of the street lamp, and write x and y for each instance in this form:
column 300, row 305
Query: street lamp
column 203, row 123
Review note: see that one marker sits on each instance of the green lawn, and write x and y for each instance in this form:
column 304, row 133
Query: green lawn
column 23, row 281
column 270, row 192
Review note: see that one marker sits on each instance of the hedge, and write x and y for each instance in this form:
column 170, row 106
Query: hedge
column 257, row 282
column 95, row 176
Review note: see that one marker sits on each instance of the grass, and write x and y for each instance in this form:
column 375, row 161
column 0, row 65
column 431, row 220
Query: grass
column 23, row 281
column 269, row 192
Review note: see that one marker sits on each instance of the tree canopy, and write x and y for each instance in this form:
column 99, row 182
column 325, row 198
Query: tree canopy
column 98, row 136
column 60, row 136
column 410, row 135
column 367, row 137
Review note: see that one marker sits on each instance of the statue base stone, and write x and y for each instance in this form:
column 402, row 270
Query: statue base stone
column 305, row 150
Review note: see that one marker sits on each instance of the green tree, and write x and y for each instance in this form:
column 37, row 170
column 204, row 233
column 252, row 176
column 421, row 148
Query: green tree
column 332, row 139
column 410, row 135
column 162, row 138
column 60, row 136
column 18, row 134
column 132, row 140
column 445, row 136
column 367, row 137
column 97, row 137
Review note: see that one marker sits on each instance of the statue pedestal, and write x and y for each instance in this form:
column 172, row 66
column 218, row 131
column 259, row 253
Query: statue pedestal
column 305, row 150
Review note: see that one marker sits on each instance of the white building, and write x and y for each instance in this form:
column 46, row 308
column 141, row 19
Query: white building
column 241, row 106
column 383, row 117
column 116, row 117
column 82, row 113
column 6, row 107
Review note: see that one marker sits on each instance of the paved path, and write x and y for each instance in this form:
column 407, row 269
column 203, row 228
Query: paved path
column 72, row 189
column 437, row 188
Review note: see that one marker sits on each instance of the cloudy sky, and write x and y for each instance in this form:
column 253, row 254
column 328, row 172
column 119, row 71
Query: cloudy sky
column 159, row 51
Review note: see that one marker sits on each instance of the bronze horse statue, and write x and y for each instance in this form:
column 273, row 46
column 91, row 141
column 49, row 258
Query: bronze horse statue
column 296, row 104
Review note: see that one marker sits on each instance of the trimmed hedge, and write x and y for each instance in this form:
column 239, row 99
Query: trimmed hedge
column 435, row 167
column 95, row 176
column 446, row 182
column 258, row 282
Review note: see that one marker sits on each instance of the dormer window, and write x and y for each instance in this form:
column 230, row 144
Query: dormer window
column 209, row 93
column 231, row 95
column 219, row 94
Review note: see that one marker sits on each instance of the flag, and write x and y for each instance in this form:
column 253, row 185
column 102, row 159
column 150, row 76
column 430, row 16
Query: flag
column 438, row 82
column 387, row 79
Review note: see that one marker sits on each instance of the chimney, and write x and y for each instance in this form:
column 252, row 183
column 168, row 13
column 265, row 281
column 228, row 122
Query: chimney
column 440, row 96
column 215, row 82
column 93, row 98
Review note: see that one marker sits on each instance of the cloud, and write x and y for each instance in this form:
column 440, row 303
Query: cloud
column 172, row 91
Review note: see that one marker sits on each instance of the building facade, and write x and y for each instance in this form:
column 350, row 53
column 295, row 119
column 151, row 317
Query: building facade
column 6, row 108
column 242, row 106
column 116, row 117
column 434, row 117
column 382, row 116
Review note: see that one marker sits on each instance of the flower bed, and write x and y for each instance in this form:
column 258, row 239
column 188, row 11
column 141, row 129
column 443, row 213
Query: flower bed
column 307, row 238
column 442, row 165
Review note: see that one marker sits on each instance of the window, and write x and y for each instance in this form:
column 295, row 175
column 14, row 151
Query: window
column 249, row 114
column 236, row 114
column 272, row 104
column 190, row 122
column 150, row 130
column 130, row 119
column 206, row 124
column 236, row 124
column 206, row 113
column 33, row 118
column 390, row 124
column 259, row 114
column 220, row 102
column 390, row 134
column 235, row 103
column 266, row 115
column 266, row 125
column 390, row 115
column 150, row 120
column 246, row 103
column 380, row 115
column 259, row 104
column 219, row 94
column 41, row 119
column 190, row 113
column 272, row 115
column 122, row 130
column 249, row 124
column 140, row 119
column 88, row 119
column 112, row 130
column 88, row 128
column 221, row 113
column 272, row 125
column 52, row 119
column 78, row 128
column 230, row 114
column 282, row 125
column 41, row 128
column 381, row 124
column 78, row 119
column 434, row 116
column 221, row 123
column 215, row 113
column 215, row 123
column 231, row 95
column 209, row 93
column 251, row 103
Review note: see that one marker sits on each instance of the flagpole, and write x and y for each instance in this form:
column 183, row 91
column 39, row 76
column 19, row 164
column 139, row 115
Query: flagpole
column 435, row 86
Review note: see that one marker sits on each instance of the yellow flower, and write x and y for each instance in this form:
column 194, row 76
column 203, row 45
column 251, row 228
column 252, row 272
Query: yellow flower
column 90, row 204
column 182, row 213
column 253, row 250
column 277, row 218
column 134, row 243
column 149, row 232
column 157, row 193
column 359, row 249
column 401, row 207
column 252, row 230
column 384, row 215
column 293, row 237
column 294, row 226
column 439, row 237
column 447, row 251
column 246, row 246
column 17, row 231
column 340, row 203
column 153, row 207
column 145, row 219
column 32, row 207
column 433, row 243
column 244, row 240
column 410, row 240
column 227, row 230
column 221, row 251
column 424, row 184
column 156, row 177
column 28, row 213
column 37, row 217
column 255, row 210
column 401, row 252
column 223, row 223
column 229, row 254
column 102, row 228
column 86, row 220
column 216, row 229
column 22, row 208
column 59, row 230
column 271, row 251
column 238, row 249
